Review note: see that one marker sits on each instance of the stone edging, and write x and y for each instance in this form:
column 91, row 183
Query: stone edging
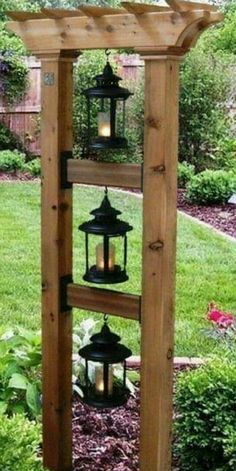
column 134, row 362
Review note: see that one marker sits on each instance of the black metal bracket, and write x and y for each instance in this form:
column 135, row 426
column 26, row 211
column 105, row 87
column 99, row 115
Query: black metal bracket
column 64, row 282
column 65, row 155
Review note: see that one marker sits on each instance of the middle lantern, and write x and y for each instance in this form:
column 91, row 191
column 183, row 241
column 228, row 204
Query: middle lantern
column 110, row 252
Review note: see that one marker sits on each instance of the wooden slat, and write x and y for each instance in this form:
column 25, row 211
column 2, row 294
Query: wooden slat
column 96, row 12
column 115, row 31
column 59, row 13
column 159, row 246
column 25, row 15
column 141, row 8
column 105, row 301
column 104, row 173
column 56, row 136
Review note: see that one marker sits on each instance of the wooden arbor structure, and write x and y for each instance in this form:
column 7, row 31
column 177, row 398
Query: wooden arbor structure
column 162, row 35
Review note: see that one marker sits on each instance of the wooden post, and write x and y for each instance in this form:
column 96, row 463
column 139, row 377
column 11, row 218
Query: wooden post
column 56, row 261
column 159, row 246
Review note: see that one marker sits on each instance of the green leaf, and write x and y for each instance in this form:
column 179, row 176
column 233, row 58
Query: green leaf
column 3, row 407
column 18, row 381
column 32, row 398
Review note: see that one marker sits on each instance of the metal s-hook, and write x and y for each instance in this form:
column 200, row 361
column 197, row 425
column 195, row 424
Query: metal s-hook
column 107, row 52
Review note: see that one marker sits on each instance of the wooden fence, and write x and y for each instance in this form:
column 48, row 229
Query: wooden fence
column 24, row 119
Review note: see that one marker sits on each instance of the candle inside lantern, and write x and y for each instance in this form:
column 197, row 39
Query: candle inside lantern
column 99, row 380
column 104, row 125
column 100, row 257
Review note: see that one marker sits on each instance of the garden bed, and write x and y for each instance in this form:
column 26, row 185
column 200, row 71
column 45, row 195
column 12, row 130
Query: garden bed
column 221, row 216
column 108, row 439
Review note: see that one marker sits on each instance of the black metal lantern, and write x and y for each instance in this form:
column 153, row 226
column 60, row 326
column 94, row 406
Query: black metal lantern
column 109, row 99
column 104, row 383
column 113, row 245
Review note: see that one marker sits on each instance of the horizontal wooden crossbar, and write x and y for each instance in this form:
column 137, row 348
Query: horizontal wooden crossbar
column 104, row 300
column 104, row 173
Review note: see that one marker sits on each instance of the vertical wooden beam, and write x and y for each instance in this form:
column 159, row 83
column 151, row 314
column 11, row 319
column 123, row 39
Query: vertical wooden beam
column 56, row 261
column 159, row 247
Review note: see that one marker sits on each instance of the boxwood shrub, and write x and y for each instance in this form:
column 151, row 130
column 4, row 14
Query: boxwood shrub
column 211, row 187
column 206, row 417
column 185, row 173
column 19, row 444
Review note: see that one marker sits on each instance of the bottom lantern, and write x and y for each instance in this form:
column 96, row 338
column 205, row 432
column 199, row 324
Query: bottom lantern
column 104, row 383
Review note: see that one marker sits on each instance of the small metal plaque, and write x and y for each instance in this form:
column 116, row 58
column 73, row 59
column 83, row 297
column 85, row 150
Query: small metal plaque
column 48, row 79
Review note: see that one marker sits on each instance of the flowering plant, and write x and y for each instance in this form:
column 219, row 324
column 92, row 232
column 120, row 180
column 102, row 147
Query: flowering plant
column 224, row 324
column 220, row 319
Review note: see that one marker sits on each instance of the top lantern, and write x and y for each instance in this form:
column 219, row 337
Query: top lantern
column 109, row 99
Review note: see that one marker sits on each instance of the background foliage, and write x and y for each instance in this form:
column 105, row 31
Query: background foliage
column 206, row 417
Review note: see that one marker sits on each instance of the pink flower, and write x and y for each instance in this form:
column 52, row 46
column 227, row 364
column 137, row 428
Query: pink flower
column 222, row 319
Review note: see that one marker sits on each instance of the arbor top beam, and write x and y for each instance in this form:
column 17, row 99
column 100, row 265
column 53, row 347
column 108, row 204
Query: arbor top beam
column 135, row 25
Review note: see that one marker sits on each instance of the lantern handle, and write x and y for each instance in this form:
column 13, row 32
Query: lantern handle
column 105, row 318
column 107, row 52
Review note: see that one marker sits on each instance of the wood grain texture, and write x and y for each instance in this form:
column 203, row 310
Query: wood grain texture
column 155, row 29
column 104, row 300
column 96, row 12
column 159, row 247
column 56, row 262
column 103, row 173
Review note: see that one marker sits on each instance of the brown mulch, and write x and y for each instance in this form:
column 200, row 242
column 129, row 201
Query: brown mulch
column 108, row 439
column 221, row 216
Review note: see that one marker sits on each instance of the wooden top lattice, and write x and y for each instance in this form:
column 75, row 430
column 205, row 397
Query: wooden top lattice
column 148, row 27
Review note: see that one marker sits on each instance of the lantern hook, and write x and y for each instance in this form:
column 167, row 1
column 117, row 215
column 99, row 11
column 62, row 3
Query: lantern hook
column 108, row 53
column 105, row 318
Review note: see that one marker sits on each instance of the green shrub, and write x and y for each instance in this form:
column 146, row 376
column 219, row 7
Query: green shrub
column 19, row 444
column 8, row 139
column 33, row 167
column 11, row 161
column 13, row 76
column 185, row 173
column 205, row 88
column 206, row 417
column 211, row 187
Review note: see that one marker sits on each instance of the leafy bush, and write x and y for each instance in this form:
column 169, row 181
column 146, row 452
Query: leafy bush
column 206, row 417
column 211, row 186
column 33, row 167
column 20, row 362
column 11, row 161
column 205, row 86
column 19, row 444
column 8, row 139
column 185, row 173
column 13, row 76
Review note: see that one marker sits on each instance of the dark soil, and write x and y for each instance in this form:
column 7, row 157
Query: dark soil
column 221, row 216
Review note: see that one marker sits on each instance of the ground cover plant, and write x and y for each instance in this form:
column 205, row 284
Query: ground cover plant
column 205, row 266
column 19, row 444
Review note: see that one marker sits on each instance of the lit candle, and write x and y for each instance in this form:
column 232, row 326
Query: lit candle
column 99, row 380
column 104, row 126
column 100, row 257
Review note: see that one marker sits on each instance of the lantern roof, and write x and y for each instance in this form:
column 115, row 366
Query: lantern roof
column 105, row 347
column 105, row 220
column 146, row 28
column 107, row 85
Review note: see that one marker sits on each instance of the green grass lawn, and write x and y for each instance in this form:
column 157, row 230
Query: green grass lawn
column 205, row 266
